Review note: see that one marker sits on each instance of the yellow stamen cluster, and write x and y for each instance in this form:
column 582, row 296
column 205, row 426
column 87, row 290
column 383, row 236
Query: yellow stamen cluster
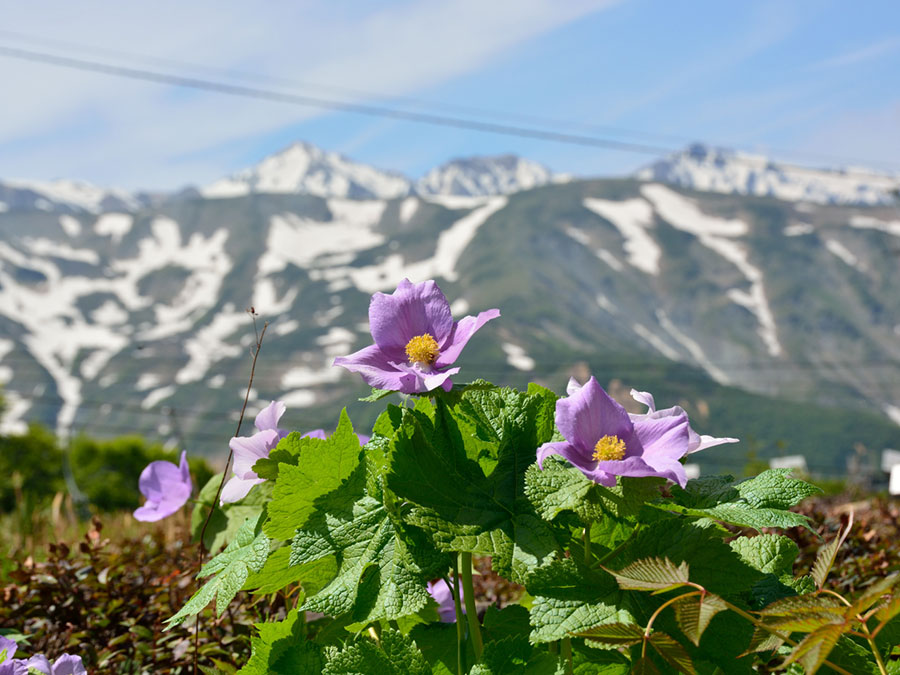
column 609, row 449
column 422, row 349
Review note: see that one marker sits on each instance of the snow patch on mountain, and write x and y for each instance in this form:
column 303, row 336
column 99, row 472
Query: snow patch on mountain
column 869, row 223
column 718, row 235
column 66, row 194
column 485, row 176
column 633, row 218
column 304, row 168
column 710, row 169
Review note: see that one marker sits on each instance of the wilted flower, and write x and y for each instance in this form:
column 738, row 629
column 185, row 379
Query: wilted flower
column 603, row 441
column 696, row 442
column 167, row 487
column 443, row 596
column 416, row 340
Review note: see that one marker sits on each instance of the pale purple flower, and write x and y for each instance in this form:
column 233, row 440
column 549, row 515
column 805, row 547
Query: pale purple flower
column 248, row 449
column 64, row 665
column 696, row 442
column 603, row 441
column 416, row 340
column 167, row 487
column 443, row 596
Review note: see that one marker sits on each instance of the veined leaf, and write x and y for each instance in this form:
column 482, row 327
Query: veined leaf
column 395, row 655
column 763, row 641
column 570, row 598
column 278, row 573
column 246, row 553
column 453, row 500
column 308, row 468
column 800, row 604
column 888, row 609
column 624, row 634
column 644, row 666
column 225, row 518
column 874, row 592
column 652, row 574
column 805, row 622
column 381, row 568
column 672, row 651
column 827, row 554
column 814, row 649
column 281, row 648
column 769, row 553
column 694, row 612
column 377, row 395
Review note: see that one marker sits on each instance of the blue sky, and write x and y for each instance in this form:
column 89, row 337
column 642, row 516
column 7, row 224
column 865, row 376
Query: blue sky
column 810, row 82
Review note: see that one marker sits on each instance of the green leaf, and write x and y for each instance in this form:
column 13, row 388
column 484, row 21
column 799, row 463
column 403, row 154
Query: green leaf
column 513, row 655
column 396, row 655
column 559, row 487
column 888, row 609
column 757, row 503
column 246, row 553
column 644, row 666
column 693, row 614
column 713, row 564
column 768, row 553
column 814, row 649
column 672, row 651
column 381, row 565
column 614, row 634
column 570, row 598
column 319, row 467
column 827, row 554
column 804, row 603
column 278, row 573
column 452, row 498
column 281, row 648
column 874, row 592
column 377, row 395
column 652, row 574
column 226, row 518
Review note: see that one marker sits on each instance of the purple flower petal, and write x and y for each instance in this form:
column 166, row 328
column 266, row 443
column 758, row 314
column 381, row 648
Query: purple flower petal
column 249, row 449
column 68, row 665
column 573, row 387
column 411, row 310
column 462, row 331
column 377, row 369
column 589, row 415
column 237, row 488
column 316, row 433
column 167, row 487
column 644, row 397
column 663, row 436
column 268, row 417
column 443, row 596
column 9, row 646
column 16, row 667
column 40, row 663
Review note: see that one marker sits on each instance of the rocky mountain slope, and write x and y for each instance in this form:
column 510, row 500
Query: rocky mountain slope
column 125, row 321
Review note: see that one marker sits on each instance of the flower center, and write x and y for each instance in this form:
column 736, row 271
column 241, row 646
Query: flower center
column 422, row 349
column 609, row 449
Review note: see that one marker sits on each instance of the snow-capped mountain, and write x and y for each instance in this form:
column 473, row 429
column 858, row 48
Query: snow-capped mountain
column 66, row 196
column 303, row 168
column 709, row 169
column 484, row 176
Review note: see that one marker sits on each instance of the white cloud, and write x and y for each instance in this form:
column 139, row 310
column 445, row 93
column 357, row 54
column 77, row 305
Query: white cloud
column 859, row 55
column 116, row 131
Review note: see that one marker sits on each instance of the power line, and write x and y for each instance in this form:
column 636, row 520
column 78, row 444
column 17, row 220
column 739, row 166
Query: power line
column 409, row 100
column 370, row 110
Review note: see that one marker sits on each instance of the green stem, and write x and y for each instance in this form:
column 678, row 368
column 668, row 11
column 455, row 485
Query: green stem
column 587, row 544
column 881, row 667
column 460, row 635
column 566, row 648
column 465, row 566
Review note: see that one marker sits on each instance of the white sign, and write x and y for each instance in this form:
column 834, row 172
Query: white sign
column 894, row 486
column 889, row 458
column 789, row 462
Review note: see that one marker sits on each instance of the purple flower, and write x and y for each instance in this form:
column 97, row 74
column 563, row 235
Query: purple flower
column 248, row 449
column 696, row 442
column 416, row 340
column 603, row 441
column 64, row 665
column 443, row 596
column 167, row 487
